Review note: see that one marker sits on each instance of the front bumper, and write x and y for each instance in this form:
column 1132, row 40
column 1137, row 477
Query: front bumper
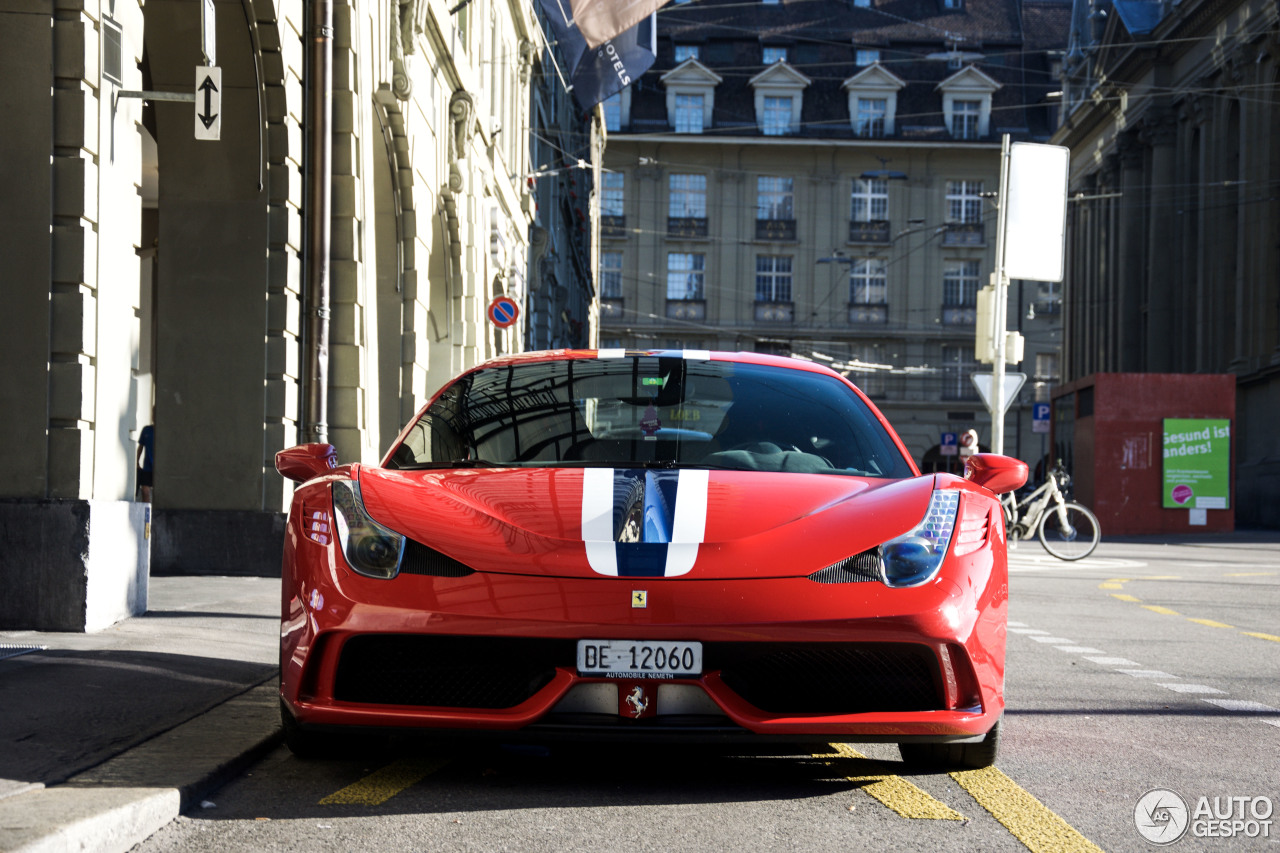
column 785, row 658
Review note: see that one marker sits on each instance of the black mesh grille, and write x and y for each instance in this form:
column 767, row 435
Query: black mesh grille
column 859, row 568
column 450, row 672
column 420, row 560
column 829, row 678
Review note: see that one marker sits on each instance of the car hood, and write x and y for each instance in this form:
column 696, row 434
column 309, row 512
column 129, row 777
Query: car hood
column 694, row 523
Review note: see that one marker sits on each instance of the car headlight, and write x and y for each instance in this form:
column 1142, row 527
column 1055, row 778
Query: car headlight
column 370, row 548
column 916, row 556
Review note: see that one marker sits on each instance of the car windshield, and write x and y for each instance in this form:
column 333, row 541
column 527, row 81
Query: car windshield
column 651, row 411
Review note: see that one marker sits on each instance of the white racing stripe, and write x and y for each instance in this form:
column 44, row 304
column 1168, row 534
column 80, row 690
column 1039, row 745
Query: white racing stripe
column 597, row 520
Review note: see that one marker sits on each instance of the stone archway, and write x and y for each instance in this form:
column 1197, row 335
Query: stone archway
column 225, row 295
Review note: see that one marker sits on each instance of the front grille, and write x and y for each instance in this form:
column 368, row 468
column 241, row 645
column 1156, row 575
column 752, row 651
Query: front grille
column 502, row 672
column 420, row 560
column 859, row 568
column 829, row 678
column 449, row 672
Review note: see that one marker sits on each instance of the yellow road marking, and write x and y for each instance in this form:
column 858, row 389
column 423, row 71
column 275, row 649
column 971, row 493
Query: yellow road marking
column 1211, row 623
column 1121, row 597
column 897, row 793
column 1249, row 575
column 1156, row 608
column 1161, row 578
column 1028, row 819
column 1110, row 586
column 383, row 784
column 1272, row 637
column 1117, row 580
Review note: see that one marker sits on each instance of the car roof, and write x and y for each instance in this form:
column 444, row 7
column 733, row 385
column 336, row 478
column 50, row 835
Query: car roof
column 688, row 354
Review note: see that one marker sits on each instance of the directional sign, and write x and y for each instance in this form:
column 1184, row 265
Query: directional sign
column 208, row 102
column 503, row 311
column 1040, row 417
column 1012, row 385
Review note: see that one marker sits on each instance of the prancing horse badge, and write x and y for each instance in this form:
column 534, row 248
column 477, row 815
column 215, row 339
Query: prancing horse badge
column 639, row 598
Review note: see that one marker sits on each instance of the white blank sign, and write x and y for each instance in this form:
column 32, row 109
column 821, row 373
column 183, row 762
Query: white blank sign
column 1036, row 223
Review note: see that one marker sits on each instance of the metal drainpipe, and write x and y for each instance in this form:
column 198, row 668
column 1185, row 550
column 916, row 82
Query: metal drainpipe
column 316, row 213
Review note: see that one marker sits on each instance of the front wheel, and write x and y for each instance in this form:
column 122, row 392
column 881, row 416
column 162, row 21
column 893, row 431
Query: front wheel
column 1074, row 540
column 953, row 756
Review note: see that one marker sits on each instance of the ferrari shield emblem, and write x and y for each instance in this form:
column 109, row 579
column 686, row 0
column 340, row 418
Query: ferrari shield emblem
column 639, row 598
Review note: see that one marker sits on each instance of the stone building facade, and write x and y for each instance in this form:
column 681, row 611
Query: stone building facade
column 155, row 278
column 1172, row 113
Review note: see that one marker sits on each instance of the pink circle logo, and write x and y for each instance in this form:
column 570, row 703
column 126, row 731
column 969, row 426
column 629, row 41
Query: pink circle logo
column 1182, row 494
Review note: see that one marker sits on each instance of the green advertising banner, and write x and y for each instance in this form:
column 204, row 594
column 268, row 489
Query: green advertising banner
column 1197, row 463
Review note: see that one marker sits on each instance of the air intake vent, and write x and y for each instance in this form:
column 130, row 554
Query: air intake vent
column 421, row 560
column 859, row 568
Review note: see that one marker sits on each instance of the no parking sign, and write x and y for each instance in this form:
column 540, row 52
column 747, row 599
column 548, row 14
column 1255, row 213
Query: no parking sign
column 503, row 311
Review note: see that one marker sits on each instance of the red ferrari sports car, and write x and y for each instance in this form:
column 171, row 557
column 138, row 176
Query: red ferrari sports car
column 658, row 544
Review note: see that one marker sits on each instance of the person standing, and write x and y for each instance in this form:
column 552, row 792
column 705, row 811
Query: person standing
column 146, row 461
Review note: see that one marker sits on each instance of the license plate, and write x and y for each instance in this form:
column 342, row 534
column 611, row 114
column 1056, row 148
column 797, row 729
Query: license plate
column 639, row 658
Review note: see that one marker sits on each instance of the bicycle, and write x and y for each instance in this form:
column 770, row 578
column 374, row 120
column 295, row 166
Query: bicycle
column 1067, row 530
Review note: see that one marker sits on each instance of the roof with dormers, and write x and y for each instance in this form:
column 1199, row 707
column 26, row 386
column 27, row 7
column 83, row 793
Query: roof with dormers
column 920, row 42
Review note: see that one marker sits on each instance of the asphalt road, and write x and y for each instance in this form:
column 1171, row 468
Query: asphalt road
column 1146, row 674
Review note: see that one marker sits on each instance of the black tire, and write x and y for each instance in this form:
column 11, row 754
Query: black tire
column 953, row 756
column 1078, row 540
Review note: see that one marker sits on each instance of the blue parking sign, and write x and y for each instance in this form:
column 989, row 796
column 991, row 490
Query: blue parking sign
column 1040, row 417
column 950, row 444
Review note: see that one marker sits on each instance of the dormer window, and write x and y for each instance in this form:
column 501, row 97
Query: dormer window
column 866, row 56
column 686, row 51
column 691, row 94
column 964, row 119
column 966, row 103
column 779, row 91
column 873, row 101
column 953, row 5
column 774, row 54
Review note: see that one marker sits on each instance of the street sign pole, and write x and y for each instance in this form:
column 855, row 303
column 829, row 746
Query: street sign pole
column 1001, row 283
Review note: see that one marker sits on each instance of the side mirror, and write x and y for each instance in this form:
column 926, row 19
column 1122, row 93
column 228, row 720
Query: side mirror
column 305, row 461
column 998, row 473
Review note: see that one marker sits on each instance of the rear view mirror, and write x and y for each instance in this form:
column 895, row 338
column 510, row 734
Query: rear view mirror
column 998, row 473
column 305, row 461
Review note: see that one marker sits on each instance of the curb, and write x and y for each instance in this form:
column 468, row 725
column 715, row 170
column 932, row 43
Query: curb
column 126, row 799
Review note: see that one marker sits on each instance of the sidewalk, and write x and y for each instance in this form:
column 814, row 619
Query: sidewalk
column 109, row 736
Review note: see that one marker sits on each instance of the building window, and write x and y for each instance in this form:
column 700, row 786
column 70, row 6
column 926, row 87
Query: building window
column 611, row 275
column 685, row 275
column 611, row 195
column 868, row 278
column 774, row 54
column 964, row 119
column 953, row 4
column 777, row 116
column 773, row 278
column 870, row 120
column 869, row 200
column 686, row 51
column 687, row 196
column 964, row 202
column 613, row 113
column 862, row 4
column 689, row 113
column 865, row 56
column 775, row 198
column 958, row 364
column 960, row 284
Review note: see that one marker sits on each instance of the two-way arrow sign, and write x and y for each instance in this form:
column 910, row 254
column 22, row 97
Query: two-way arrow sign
column 208, row 102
